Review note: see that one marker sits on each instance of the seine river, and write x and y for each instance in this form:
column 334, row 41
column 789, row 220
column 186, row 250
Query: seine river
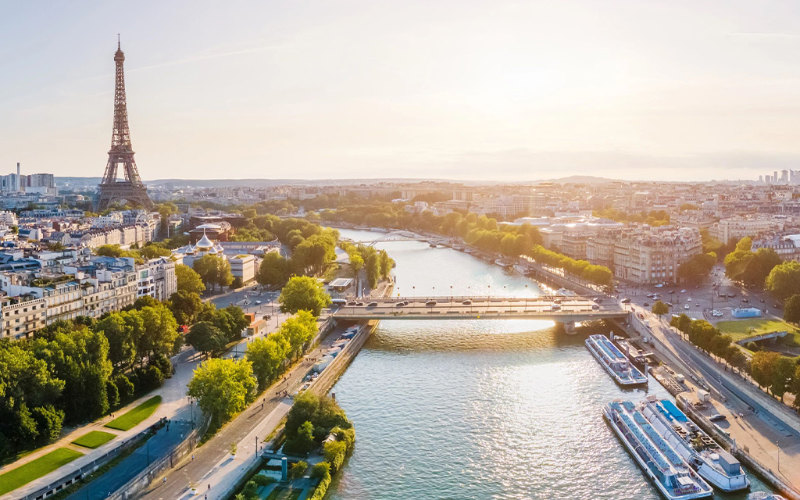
column 480, row 409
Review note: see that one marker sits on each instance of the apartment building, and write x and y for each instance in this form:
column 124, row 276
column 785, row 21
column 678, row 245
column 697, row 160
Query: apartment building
column 653, row 255
column 21, row 316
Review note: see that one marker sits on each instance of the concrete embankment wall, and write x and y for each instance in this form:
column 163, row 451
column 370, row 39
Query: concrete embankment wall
column 333, row 371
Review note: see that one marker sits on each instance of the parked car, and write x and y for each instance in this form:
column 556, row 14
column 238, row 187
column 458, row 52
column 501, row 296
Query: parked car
column 467, row 302
column 430, row 303
column 372, row 304
column 686, row 306
column 717, row 417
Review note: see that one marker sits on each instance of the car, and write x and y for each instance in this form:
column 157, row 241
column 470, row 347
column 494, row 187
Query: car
column 352, row 303
column 400, row 304
column 689, row 299
column 555, row 307
column 372, row 304
column 359, row 304
column 683, row 290
column 258, row 302
column 686, row 306
column 626, row 300
column 595, row 307
column 717, row 417
column 467, row 302
column 430, row 303
column 669, row 304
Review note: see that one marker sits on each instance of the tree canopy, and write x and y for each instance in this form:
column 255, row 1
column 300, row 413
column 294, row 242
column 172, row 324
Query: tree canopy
column 223, row 388
column 213, row 270
column 304, row 293
column 784, row 279
column 188, row 279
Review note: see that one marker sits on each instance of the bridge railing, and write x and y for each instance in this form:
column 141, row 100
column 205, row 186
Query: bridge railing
column 481, row 298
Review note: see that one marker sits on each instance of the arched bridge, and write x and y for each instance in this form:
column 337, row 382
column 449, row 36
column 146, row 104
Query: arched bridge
column 566, row 310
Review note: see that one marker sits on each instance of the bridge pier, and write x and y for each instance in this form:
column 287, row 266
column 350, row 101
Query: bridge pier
column 567, row 326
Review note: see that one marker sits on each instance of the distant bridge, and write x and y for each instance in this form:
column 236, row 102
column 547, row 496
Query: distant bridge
column 393, row 236
column 565, row 310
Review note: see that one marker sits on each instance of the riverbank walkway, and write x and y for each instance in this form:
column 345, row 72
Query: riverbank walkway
column 761, row 425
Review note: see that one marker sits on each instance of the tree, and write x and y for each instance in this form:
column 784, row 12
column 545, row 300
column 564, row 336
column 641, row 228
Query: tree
column 795, row 387
column 145, row 301
column 299, row 330
column 213, row 270
column 791, row 309
column 160, row 331
column 79, row 357
column 660, row 308
column 697, row 268
column 762, row 367
column 303, row 293
column 782, row 375
column 154, row 250
column 188, row 279
column 267, row 356
column 185, row 306
column 123, row 330
column 784, row 279
column 223, row 388
column 26, row 384
column 274, row 270
column 206, row 337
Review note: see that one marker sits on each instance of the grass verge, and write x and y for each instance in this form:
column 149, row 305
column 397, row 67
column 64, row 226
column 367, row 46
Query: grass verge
column 136, row 415
column 94, row 439
column 35, row 469
column 740, row 329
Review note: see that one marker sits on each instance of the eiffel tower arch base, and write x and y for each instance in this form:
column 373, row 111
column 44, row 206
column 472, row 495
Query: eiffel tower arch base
column 134, row 194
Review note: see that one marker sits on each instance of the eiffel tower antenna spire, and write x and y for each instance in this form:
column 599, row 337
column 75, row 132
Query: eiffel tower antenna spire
column 120, row 156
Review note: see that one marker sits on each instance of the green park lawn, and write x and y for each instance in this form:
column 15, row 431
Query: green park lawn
column 284, row 493
column 94, row 439
column 739, row 329
column 35, row 469
column 136, row 415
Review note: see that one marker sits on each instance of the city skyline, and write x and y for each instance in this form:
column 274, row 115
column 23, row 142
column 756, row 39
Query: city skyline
column 511, row 92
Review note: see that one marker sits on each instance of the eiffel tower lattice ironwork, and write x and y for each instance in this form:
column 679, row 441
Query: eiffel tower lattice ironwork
column 131, row 189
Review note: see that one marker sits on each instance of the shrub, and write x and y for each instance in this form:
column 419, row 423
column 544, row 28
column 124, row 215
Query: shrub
column 321, row 470
column 334, row 452
column 298, row 469
column 262, row 480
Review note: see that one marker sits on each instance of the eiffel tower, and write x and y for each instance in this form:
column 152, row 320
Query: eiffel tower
column 131, row 189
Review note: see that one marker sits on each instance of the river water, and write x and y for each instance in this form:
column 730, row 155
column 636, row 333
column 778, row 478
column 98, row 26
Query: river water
column 480, row 409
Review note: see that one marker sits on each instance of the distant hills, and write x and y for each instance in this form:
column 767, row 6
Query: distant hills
column 91, row 182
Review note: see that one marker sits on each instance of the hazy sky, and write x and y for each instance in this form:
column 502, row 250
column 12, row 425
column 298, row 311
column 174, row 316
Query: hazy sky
column 459, row 89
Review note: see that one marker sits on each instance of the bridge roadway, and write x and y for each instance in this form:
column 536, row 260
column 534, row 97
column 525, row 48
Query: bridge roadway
column 567, row 310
